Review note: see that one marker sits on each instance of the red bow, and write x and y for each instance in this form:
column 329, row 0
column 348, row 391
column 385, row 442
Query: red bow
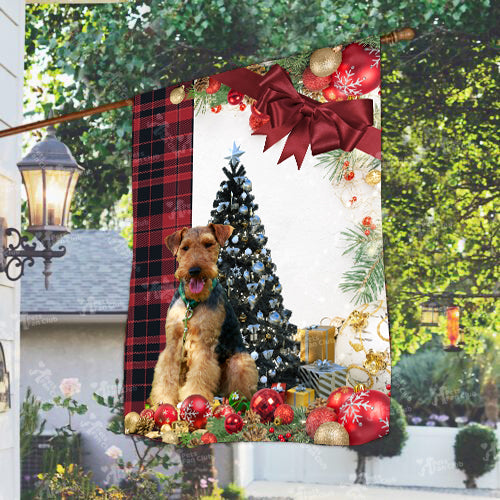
column 324, row 126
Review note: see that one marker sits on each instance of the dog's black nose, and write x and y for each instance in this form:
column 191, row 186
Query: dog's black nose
column 194, row 271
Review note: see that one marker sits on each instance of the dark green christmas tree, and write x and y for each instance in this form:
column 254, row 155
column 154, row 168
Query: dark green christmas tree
column 249, row 276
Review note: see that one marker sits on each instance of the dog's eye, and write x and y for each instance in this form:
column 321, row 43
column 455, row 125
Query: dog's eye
column 186, row 248
column 208, row 245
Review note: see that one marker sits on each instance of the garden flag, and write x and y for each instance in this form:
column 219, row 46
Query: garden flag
column 257, row 297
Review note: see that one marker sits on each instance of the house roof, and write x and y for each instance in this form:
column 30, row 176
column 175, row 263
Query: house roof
column 92, row 278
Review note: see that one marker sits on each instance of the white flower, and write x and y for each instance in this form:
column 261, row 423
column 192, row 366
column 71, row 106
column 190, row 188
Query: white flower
column 70, row 386
column 114, row 452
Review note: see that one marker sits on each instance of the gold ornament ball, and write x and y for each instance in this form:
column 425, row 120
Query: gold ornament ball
column 325, row 61
column 373, row 178
column 131, row 420
column 170, row 437
column 331, row 433
column 177, row 95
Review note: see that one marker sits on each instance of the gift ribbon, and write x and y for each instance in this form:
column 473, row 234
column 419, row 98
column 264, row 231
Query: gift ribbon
column 323, row 126
column 323, row 365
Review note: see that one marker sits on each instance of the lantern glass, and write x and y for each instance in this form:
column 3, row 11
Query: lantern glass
column 452, row 325
column 49, row 191
column 429, row 314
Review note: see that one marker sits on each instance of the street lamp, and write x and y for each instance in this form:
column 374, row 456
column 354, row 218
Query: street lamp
column 50, row 173
column 429, row 314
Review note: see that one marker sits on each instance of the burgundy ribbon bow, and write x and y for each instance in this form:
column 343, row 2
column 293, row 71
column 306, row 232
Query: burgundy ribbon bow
column 323, row 126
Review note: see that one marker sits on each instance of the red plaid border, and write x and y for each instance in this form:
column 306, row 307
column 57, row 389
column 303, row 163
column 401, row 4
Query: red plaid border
column 162, row 172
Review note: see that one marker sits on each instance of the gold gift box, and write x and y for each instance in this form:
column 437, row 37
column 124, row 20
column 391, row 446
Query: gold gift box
column 299, row 396
column 317, row 342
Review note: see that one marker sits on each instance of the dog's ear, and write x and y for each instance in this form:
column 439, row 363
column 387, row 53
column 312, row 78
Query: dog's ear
column 174, row 240
column 222, row 232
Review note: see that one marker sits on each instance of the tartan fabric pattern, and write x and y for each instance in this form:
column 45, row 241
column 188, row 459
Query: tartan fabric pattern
column 162, row 172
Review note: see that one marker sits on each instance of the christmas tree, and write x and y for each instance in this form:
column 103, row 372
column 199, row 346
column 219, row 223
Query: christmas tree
column 248, row 274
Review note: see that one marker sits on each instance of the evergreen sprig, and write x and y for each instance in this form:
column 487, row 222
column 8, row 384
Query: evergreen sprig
column 366, row 278
column 295, row 65
column 371, row 41
column 333, row 162
column 204, row 102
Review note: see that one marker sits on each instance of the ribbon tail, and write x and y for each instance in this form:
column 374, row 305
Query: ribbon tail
column 297, row 143
column 371, row 142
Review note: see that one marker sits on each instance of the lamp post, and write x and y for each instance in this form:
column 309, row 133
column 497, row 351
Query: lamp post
column 50, row 173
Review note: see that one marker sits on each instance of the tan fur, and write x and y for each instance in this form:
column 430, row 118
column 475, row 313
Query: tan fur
column 198, row 372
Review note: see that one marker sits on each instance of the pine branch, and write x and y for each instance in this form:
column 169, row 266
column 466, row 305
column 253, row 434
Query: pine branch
column 371, row 41
column 204, row 102
column 366, row 278
column 295, row 65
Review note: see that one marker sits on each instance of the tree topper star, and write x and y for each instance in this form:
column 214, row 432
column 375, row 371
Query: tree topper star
column 234, row 154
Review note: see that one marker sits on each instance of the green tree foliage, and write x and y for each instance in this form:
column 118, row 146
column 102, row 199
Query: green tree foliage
column 440, row 184
column 476, row 452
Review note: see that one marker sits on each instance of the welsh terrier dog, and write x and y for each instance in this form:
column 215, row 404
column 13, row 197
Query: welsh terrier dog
column 204, row 353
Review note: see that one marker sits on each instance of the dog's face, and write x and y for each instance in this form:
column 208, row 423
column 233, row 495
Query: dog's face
column 197, row 250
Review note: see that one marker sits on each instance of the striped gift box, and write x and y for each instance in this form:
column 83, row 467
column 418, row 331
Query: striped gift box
column 323, row 377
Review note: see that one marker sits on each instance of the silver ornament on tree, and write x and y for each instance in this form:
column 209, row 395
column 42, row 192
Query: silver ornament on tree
column 275, row 318
column 235, row 239
column 252, row 287
column 260, row 316
column 247, row 276
column 248, row 251
column 254, row 355
column 247, row 185
column 258, row 267
column 268, row 354
column 252, row 300
column 243, row 210
column 263, row 379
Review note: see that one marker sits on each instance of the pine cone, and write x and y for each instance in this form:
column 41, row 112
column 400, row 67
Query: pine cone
column 255, row 433
column 201, row 84
column 257, row 68
column 315, row 404
column 144, row 425
column 251, row 417
column 195, row 442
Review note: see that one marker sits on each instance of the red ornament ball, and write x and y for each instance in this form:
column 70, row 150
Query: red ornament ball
column 216, row 109
column 243, row 106
column 317, row 417
column 264, row 403
column 338, row 397
column 213, row 86
column 234, row 97
column 288, row 435
column 389, row 393
column 208, row 438
column 222, row 411
column 285, row 413
column 349, row 176
column 313, row 82
column 233, row 423
column 148, row 413
column 367, row 221
column 165, row 414
column 332, row 93
column 271, row 430
column 359, row 72
column 195, row 410
column 365, row 416
column 388, row 387
column 257, row 121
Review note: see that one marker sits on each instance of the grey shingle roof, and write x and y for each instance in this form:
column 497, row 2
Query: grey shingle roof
column 92, row 278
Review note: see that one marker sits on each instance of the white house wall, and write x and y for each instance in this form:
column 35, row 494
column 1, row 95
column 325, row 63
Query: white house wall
column 11, row 88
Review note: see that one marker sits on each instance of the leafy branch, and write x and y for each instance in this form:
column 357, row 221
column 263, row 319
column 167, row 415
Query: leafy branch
column 366, row 278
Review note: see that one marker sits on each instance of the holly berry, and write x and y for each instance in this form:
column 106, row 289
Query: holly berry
column 271, row 430
column 281, row 436
column 367, row 232
column 243, row 106
column 216, row 109
column 288, row 435
column 349, row 176
column 213, row 86
column 388, row 387
column 373, row 226
column 389, row 393
column 354, row 198
column 367, row 221
column 346, row 163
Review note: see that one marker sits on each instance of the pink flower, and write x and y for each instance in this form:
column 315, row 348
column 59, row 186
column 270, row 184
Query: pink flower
column 70, row 387
column 114, row 452
column 203, row 483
